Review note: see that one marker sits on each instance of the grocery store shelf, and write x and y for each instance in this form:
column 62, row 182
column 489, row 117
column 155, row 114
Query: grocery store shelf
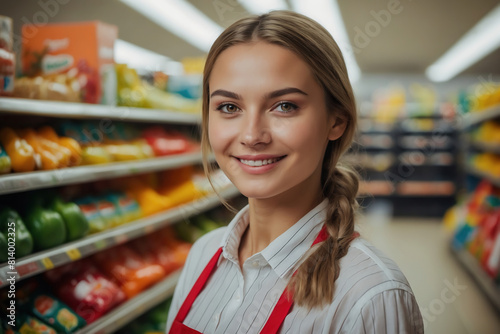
column 17, row 182
column 86, row 111
column 486, row 147
column 45, row 260
column 375, row 188
column 479, row 173
column 476, row 117
column 426, row 188
column 484, row 281
column 133, row 308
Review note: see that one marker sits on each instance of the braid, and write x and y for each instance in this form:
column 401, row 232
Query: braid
column 313, row 284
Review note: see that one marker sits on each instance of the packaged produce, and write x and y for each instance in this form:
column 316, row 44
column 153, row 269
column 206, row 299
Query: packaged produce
column 74, row 149
column 5, row 164
column 127, row 207
column 87, row 291
column 109, row 212
column 21, row 154
column 83, row 51
column 52, row 311
column 133, row 92
column 163, row 249
column 166, row 143
column 89, row 208
column 93, row 155
column 46, row 226
column 26, row 324
column 128, row 269
column 7, row 57
column 56, row 88
column 77, row 225
column 9, row 221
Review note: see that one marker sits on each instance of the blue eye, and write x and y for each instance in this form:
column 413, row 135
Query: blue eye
column 228, row 108
column 286, row 107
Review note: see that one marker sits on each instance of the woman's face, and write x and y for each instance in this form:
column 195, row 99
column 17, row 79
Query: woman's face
column 268, row 124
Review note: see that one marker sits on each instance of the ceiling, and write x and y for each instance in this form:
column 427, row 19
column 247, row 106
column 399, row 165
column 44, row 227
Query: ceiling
column 409, row 42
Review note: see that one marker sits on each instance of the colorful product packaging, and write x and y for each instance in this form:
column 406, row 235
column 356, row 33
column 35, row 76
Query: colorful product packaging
column 7, row 57
column 83, row 50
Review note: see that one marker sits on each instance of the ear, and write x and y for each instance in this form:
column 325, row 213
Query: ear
column 337, row 128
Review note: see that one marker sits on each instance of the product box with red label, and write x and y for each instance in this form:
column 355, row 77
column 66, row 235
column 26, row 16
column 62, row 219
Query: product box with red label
column 80, row 53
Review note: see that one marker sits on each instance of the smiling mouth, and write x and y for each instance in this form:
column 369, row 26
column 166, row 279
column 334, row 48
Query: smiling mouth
column 258, row 163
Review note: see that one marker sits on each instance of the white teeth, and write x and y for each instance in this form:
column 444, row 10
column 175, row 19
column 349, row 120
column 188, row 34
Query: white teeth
column 257, row 163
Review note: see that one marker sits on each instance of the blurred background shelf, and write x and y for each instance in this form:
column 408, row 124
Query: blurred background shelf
column 476, row 117
column 17, row 182
column 42, row 261
column 485, row 282
column 92, row 111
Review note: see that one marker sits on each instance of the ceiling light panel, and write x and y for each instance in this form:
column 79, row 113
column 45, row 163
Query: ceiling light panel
column 476, row 44
column 180, row 18
column 327, row 13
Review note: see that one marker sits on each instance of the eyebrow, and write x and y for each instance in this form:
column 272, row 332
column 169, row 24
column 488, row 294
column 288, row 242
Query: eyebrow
column 272, row 95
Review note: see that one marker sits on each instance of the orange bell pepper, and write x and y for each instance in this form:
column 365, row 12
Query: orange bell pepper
column 48, row 159
column 21, row 154
column 72, row 145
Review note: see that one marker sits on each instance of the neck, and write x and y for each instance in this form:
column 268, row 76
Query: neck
column 271, row 217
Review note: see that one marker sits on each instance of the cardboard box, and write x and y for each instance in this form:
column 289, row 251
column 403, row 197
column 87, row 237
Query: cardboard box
column 83, row 51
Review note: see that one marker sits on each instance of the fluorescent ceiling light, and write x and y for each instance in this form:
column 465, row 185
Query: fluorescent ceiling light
column 477, row 43
column 327, row 13
column 180, row 18
column 143, row 59
column 263, row 6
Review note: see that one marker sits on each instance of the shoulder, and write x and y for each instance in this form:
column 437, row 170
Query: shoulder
column 371, row 288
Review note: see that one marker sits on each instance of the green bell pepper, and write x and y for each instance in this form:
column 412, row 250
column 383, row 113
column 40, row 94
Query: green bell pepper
column 23, row 238
column 46, row 226
column 77, row 225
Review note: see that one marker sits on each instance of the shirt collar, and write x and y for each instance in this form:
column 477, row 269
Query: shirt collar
column 282, row 253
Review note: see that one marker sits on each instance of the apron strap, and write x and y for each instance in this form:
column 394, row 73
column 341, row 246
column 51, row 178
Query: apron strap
column 198, row 286
column 285, row 302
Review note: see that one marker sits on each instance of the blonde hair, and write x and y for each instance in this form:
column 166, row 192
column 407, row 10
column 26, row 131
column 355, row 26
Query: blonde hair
column 313, row 285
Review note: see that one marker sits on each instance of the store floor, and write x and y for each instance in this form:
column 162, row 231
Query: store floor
column 420, row 247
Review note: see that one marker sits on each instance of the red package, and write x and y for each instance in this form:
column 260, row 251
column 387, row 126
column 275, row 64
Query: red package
column 166, row 143
column 88, row 292
column 169, row 253
column 127, row 268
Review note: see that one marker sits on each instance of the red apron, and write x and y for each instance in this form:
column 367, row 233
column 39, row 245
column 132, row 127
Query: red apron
column 277, row 317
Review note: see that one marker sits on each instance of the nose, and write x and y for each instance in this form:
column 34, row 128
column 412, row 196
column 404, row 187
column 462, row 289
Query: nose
column 255, row 130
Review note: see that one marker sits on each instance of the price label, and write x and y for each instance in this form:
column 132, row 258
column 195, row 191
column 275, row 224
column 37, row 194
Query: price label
column 120, row 239
column 47, row 263
column 100, row 244
column 74, row 254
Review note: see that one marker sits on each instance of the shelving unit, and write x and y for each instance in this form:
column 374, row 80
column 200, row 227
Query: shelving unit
column 17, row 182
column 482, row 279
column 470, row 147
column 42, row 261
column 37, row 263
column 476, row 117
column 134, row 307
column 418, row 153
column 483, row 175
column 93, row 111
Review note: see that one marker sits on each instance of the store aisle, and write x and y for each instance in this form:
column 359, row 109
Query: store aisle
column 420, row 247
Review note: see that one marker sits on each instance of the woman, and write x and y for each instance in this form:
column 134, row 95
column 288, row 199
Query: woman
column 278, row 112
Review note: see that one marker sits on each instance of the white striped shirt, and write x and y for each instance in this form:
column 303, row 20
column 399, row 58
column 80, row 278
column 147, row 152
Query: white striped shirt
column 371, row 295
